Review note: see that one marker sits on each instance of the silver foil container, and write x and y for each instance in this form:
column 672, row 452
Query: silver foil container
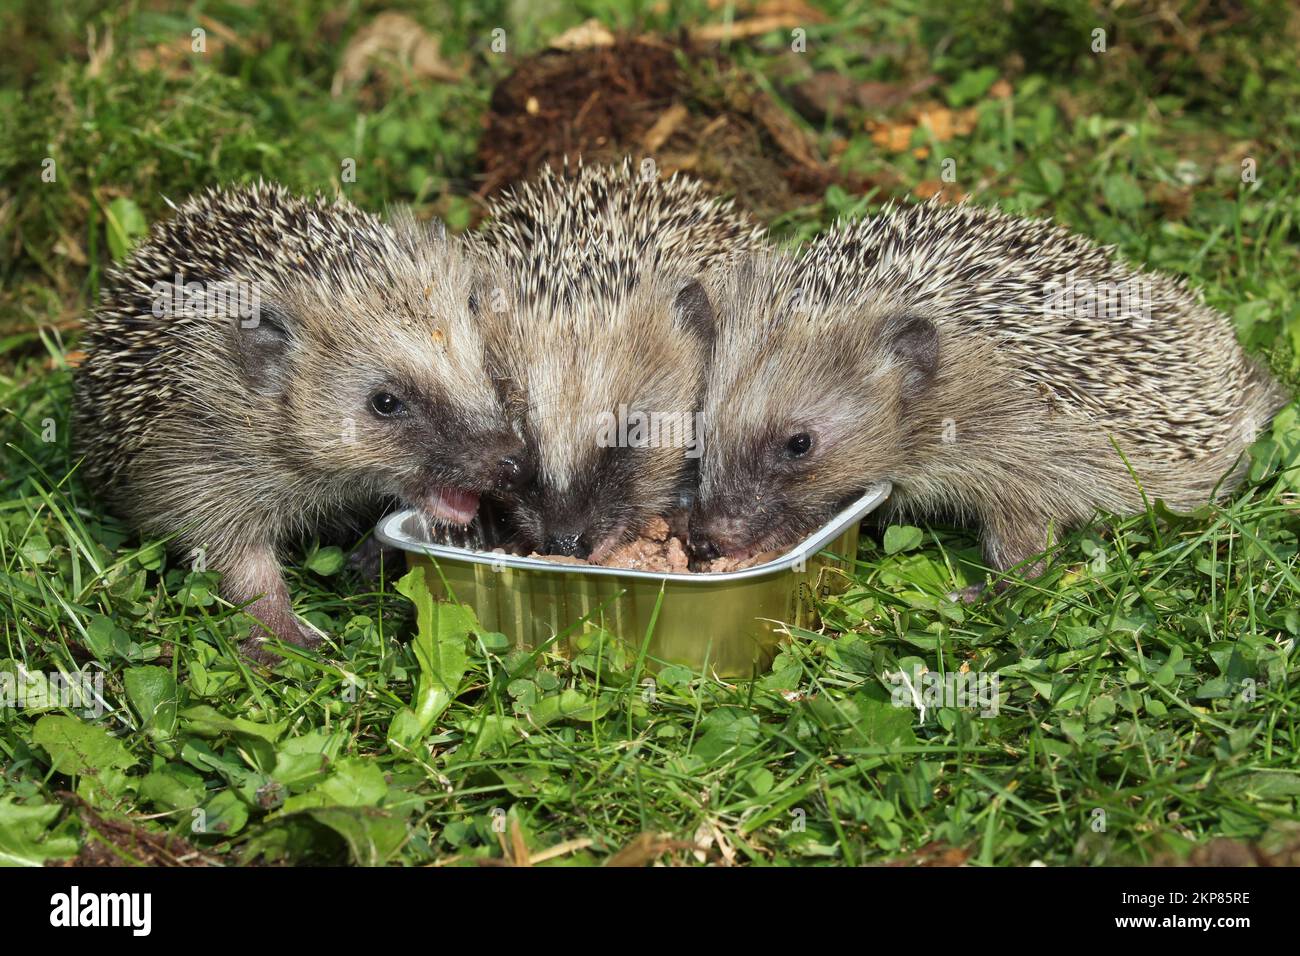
column 728, row 623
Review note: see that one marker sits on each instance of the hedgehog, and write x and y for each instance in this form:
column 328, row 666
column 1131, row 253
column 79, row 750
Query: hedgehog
column 1002, row 373
column 265, row 367
column 600, row 325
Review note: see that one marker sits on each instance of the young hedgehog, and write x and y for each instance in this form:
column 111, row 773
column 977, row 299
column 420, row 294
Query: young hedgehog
column 988, row 366
column 601, row 319
column 265, row 366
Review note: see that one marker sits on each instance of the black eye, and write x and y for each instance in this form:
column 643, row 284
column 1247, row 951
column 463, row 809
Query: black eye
column 799, row 445
column 386, row 405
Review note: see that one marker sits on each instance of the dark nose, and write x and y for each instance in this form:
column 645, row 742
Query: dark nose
column 513, row 472
column 571, row 545
column 703, row 549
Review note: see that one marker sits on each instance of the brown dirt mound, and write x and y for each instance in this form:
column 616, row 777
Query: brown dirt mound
column 690, row 109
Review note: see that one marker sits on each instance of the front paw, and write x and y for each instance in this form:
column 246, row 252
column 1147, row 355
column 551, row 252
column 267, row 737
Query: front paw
column 370, row 556
column 969, row 595
column 258, row 646
column 982, row 592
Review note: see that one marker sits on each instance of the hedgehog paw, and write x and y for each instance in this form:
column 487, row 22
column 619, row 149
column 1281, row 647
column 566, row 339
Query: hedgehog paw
column 370, row 556
column 256, row 646
column 973, row 594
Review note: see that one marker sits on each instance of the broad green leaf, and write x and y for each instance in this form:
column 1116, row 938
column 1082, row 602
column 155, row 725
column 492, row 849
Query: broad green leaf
column 725, row 729
column 223, row 815
column 304, row 761
column 441, row 632
column 902, row 537
column 569, row 704
column 103, row 636
column 35, row 548
column 355, row 783
column 373, row 836
column 971, row 85
column 258, row 740
column 326, row 561
column 25, row 837
column 881, row 724
column 760, row 781
column 489, row 734
column 173, row 787
column 77, row 748
column 152, row 691
column 249, row 784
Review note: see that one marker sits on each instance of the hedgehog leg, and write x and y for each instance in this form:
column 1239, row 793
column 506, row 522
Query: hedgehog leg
column 1008, row 539
column 1014, row 542
column 257, row 581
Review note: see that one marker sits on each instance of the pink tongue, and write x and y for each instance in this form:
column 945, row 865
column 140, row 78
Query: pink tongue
column 454, row 505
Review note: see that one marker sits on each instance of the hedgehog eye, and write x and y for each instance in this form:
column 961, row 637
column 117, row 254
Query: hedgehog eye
column 387, row 405
column 799, row 445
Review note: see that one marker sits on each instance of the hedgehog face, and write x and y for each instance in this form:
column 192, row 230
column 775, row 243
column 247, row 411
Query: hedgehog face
column 611, row 391
column 382, row 388
column 805, row 408
column 766, row 482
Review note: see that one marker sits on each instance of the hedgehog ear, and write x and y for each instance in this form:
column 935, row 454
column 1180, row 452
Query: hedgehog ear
column 914, row 340
column 484, row 295
column 693, row 311
column 262, row 348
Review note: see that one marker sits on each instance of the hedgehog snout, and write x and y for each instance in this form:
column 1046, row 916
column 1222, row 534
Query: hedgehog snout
column 514, row 471
column 713, row 537
column 497, row 463
column 702, row 549
column 571, row 544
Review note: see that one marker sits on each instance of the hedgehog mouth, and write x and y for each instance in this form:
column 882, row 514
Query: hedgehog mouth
column 608, row 544
column 780, row 539
column 455, row 506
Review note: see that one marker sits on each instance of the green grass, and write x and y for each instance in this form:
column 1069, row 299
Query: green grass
column 1148, row 684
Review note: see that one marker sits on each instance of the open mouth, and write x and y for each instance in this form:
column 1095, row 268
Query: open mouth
column 451, row 505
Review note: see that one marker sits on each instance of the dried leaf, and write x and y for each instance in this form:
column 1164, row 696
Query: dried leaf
column 929, row 188
column 894, row 137
column 934, row 854
column 646, row 848
column 787, row 134
column 827, row 93
column 388, row 37
column 754, row 26
column 98, row 53
column 664, row 127
column 584, row 36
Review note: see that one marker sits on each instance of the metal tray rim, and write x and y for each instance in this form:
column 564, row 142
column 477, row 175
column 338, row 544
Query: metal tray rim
column 389, row 532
